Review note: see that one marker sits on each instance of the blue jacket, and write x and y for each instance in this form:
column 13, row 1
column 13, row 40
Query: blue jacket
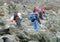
column 32, row 17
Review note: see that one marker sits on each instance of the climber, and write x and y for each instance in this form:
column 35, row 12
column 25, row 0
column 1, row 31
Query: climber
column 34, row 20
column 41, row 11
column 17, row 18
column 35, row 10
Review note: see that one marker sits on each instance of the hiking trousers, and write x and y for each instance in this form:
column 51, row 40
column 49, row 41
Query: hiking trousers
column 40, row 15
column 36, row 25
column 18, row 22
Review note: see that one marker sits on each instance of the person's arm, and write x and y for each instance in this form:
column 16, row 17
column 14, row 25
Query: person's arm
column 11, row 19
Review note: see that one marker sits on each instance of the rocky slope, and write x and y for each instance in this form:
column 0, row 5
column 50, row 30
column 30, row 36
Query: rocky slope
column 49, row 30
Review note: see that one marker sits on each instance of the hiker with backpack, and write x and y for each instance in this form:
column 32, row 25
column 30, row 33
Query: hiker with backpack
column 41, row 12
column 17, row 18
column 35, row 10
column 34, row 20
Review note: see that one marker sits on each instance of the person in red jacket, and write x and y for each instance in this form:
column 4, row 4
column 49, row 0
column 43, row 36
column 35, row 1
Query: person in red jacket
column 41, row 11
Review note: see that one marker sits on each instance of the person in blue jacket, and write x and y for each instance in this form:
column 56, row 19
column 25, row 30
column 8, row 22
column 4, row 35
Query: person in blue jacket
column 34, row 20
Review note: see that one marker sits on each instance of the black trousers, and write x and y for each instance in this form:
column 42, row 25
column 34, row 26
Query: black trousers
column 37, row 17
column 18, row 22
column 40, row 15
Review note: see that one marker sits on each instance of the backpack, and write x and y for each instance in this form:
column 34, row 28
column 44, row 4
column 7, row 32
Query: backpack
column 33, row 17
column 20, row 15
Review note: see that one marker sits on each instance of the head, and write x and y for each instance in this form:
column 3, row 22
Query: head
column 35, row 9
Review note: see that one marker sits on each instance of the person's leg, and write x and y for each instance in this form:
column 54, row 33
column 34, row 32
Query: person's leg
column 18, row 22
column 36, row 26
column 38, row 20
column 40, row 15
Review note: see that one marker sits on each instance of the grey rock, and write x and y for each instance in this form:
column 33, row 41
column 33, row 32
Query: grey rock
column 8, row 40
column 1, row 40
